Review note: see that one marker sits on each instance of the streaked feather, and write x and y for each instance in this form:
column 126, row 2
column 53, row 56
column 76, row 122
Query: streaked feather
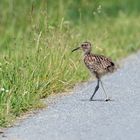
column 99, row 64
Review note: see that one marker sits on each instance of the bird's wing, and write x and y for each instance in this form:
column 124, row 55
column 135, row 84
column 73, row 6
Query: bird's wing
column 104, row 61
column 98, row 63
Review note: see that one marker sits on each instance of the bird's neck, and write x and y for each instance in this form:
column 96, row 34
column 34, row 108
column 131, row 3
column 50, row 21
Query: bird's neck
column 87, row 53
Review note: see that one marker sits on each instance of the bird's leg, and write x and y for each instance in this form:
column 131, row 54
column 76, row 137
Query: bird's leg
column 96, row 88
column 107, row 99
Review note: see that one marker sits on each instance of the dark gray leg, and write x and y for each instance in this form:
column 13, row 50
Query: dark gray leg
column 96, row 88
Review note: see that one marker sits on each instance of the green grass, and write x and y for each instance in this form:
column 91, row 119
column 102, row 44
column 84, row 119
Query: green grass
column 36, row 39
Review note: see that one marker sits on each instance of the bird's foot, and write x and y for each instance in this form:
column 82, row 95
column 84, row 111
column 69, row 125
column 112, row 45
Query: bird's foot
column 107, row 99
column 90, row 99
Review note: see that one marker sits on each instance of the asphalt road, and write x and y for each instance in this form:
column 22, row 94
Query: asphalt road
column 74, row 117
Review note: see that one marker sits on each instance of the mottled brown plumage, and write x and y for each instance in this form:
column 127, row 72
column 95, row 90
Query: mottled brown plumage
column 98, row 65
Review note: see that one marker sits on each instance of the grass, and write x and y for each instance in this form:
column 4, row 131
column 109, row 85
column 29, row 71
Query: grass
column 36, row 43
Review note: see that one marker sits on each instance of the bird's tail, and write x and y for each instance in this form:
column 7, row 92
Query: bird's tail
column 113, row 67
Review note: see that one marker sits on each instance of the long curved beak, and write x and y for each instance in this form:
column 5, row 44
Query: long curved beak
column 75, row 49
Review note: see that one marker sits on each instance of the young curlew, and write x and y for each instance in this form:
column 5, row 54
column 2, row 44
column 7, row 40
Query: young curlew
column 98, row 65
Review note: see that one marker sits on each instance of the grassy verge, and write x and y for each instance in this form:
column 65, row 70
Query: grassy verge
column 36, row 58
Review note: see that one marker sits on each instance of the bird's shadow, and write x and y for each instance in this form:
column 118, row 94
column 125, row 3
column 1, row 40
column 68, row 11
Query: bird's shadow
column 96, row 100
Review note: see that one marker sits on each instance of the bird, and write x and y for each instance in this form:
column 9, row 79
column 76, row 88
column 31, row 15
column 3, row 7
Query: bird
column 98, row 65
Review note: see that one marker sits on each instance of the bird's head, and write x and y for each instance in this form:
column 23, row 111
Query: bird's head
column 85, row 46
